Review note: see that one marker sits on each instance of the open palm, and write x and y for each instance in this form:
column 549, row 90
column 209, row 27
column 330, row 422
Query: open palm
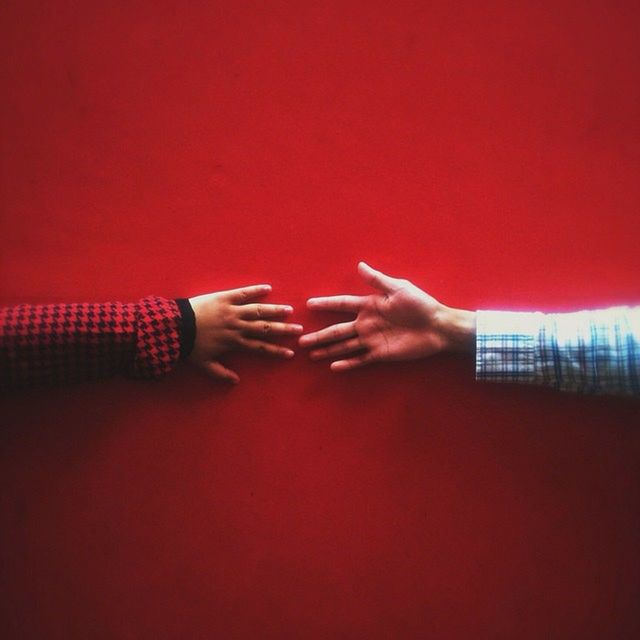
column 398, row 322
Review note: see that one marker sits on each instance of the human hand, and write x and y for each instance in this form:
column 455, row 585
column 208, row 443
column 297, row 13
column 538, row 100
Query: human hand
column 232, row 320
column 398, row 322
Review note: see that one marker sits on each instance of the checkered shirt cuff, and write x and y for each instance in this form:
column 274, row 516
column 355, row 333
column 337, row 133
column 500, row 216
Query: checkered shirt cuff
column 506, row 346
column 586, row 352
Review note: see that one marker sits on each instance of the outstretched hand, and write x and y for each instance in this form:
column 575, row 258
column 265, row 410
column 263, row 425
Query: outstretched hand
column 233, row 320
column 397, row 322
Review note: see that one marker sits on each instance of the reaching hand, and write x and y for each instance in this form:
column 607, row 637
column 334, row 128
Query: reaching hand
column 398, row 322
column 230, row 320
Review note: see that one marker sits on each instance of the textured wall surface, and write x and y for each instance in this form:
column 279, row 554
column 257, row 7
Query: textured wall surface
column 489, row 151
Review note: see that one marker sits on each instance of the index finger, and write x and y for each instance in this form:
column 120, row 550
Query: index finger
column 351, row 304
column 246, row 294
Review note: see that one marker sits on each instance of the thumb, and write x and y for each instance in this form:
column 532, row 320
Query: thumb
column 377, row 279
column 217, row 370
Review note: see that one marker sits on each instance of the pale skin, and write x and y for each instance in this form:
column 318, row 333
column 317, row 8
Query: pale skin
column 398, row 321
column 237, row 320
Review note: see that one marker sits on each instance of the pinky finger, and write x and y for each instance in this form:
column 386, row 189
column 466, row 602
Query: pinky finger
column 217, row 370
column 352, row 363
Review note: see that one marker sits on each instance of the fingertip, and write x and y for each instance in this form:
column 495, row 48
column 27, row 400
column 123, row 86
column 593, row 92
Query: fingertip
column 312, row 302
column 289, row 353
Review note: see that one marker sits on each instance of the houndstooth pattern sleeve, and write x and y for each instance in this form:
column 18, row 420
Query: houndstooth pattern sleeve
column 595, row 352
column 57, row 343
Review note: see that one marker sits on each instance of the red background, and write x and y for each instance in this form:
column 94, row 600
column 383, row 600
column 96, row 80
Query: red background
column 489, row 151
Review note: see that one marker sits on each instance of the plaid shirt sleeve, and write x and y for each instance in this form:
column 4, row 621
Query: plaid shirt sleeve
column 595, row 352
column 57, row 343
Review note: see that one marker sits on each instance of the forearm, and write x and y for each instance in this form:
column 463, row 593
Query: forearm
column 57, row 343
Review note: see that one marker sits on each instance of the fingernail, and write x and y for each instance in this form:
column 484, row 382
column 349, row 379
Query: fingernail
column 297, row 328
column 288, row 309
column 290, row 353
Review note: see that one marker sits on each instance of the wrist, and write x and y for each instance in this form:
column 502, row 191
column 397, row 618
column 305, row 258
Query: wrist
column 187, row 327
column 458, row 328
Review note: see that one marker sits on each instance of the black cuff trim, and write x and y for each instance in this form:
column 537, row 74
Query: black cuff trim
column 187, row 328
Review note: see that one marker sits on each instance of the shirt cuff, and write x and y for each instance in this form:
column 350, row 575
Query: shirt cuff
column 506, row 345
column 187, row 327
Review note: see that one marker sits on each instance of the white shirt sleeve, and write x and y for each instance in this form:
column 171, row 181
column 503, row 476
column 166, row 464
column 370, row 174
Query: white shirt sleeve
column 586, row 351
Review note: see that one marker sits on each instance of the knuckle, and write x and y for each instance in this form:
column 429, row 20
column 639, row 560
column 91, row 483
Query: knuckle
column 266, row 327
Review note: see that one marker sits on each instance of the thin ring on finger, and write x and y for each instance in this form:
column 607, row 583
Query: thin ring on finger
column 264, row 328
column 261, row 311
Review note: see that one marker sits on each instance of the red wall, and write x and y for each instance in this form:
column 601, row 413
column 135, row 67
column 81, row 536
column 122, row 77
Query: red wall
column 489, row 151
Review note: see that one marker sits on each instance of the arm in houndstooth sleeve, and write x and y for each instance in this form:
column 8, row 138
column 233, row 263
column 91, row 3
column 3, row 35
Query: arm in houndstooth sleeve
column 57, row 343
column 594, row 352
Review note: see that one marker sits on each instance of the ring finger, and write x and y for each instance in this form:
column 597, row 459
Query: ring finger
column 266, row 347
